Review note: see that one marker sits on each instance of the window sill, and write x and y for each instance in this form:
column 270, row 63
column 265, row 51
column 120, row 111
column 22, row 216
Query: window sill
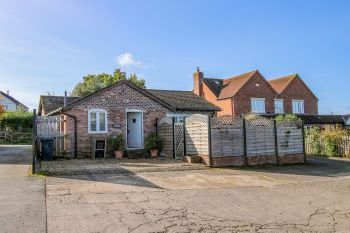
column 98, row 132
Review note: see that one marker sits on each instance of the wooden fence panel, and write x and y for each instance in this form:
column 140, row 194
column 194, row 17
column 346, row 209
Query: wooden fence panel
column 289, row 137
column 196, row 130
column 260, row 136
column 49, row 126
column 165, row 133
column 227, row 136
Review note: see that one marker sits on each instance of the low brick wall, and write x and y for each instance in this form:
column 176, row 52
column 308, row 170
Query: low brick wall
column 261, row 159
column 235, row 161
column 291, row 159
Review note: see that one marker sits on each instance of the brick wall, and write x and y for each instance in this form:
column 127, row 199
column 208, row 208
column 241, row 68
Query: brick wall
column 256, row 87
column 225, row 105
column 297, row 90
column 116, row 100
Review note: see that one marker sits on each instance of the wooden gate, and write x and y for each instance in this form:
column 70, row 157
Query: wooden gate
column 179, row 140
column 51, row 127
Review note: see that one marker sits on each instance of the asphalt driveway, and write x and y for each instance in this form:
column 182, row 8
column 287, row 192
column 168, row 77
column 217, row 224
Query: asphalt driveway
column 22, row 198
column 308, row 198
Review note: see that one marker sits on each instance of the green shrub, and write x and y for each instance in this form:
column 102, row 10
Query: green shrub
column 287, row 117
column 152, row 142
column 313, row 136
column 117, row 143
column 332, row 139
column 16, row 121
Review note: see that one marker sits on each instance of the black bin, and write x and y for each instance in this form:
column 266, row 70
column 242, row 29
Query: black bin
column 47, row 149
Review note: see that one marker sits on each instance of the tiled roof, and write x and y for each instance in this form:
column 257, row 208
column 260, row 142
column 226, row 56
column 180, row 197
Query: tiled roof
column 173, row 100
column 13, row 100
column 183, row 100
column 280, row 84
column 234, row 84
column 51, row 103
column 227, row 88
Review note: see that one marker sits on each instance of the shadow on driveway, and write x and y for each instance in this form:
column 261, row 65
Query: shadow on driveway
column 315, row 166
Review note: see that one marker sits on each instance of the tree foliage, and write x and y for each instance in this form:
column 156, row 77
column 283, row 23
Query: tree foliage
column 94, row 82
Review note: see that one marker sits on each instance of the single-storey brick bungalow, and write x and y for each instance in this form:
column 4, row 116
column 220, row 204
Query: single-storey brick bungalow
column 121, row 108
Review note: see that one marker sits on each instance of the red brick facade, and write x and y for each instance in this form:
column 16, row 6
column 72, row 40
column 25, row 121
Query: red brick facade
column 116, row 101
column 234, row 95
column 297, row 90
column 256, row 87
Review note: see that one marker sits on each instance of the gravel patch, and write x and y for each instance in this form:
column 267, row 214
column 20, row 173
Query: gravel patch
column 115, row 166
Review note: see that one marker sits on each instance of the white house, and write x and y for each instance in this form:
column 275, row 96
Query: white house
column 11, row 104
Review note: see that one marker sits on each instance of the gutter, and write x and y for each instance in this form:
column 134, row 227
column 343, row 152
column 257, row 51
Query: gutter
column 75, row 133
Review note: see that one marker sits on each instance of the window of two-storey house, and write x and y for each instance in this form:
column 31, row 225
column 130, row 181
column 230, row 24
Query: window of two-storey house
column 258, row 105
column 298, row 106
column 279, row 106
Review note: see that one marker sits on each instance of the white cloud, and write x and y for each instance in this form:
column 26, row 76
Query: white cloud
column 127, row 60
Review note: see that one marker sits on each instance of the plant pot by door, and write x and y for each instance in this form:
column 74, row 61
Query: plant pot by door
column 154, row 153
column 119, row 154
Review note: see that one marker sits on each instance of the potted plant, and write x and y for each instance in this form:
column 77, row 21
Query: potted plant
column 152, row 144
column 118, row 145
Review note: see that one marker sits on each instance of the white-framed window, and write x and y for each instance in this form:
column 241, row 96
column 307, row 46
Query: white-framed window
column 97, row 120
column 179, row 117
column 279, row 106
column 258, row 105
column 298, row 106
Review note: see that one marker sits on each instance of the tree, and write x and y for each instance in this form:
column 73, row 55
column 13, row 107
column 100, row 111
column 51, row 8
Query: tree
column 94, row 82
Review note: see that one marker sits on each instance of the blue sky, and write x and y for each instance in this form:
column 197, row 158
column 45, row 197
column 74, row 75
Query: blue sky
column 48, row 46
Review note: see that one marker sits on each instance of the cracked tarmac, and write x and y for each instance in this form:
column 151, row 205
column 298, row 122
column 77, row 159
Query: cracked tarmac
column 309, row 198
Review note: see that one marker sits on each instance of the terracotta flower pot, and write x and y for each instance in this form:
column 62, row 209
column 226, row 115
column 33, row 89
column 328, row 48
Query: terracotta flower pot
column 154, row 152
column 119, row 154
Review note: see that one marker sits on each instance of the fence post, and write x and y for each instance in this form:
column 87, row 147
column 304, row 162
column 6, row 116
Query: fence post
column 209, row 142
column 245, row 143
column 156, row 125
column 276, row 141
column 303, row 132
column 184, row 135
column 34, row 141
column 173, row 128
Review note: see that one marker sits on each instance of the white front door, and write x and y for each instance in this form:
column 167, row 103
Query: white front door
column 134, row 130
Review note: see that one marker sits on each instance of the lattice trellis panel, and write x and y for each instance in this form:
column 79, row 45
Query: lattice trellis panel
column 179, row 140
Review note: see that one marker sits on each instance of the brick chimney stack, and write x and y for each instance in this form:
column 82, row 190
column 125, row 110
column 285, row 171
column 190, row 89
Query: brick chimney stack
column 198, row 82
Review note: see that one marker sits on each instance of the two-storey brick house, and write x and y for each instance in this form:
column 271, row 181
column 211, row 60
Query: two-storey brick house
column 252, row 93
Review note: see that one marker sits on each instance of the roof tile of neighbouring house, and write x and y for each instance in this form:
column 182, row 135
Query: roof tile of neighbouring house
column 13, row 100
column 280, row 84
column 183, row 100
column 51, row 103
column 227, row 88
